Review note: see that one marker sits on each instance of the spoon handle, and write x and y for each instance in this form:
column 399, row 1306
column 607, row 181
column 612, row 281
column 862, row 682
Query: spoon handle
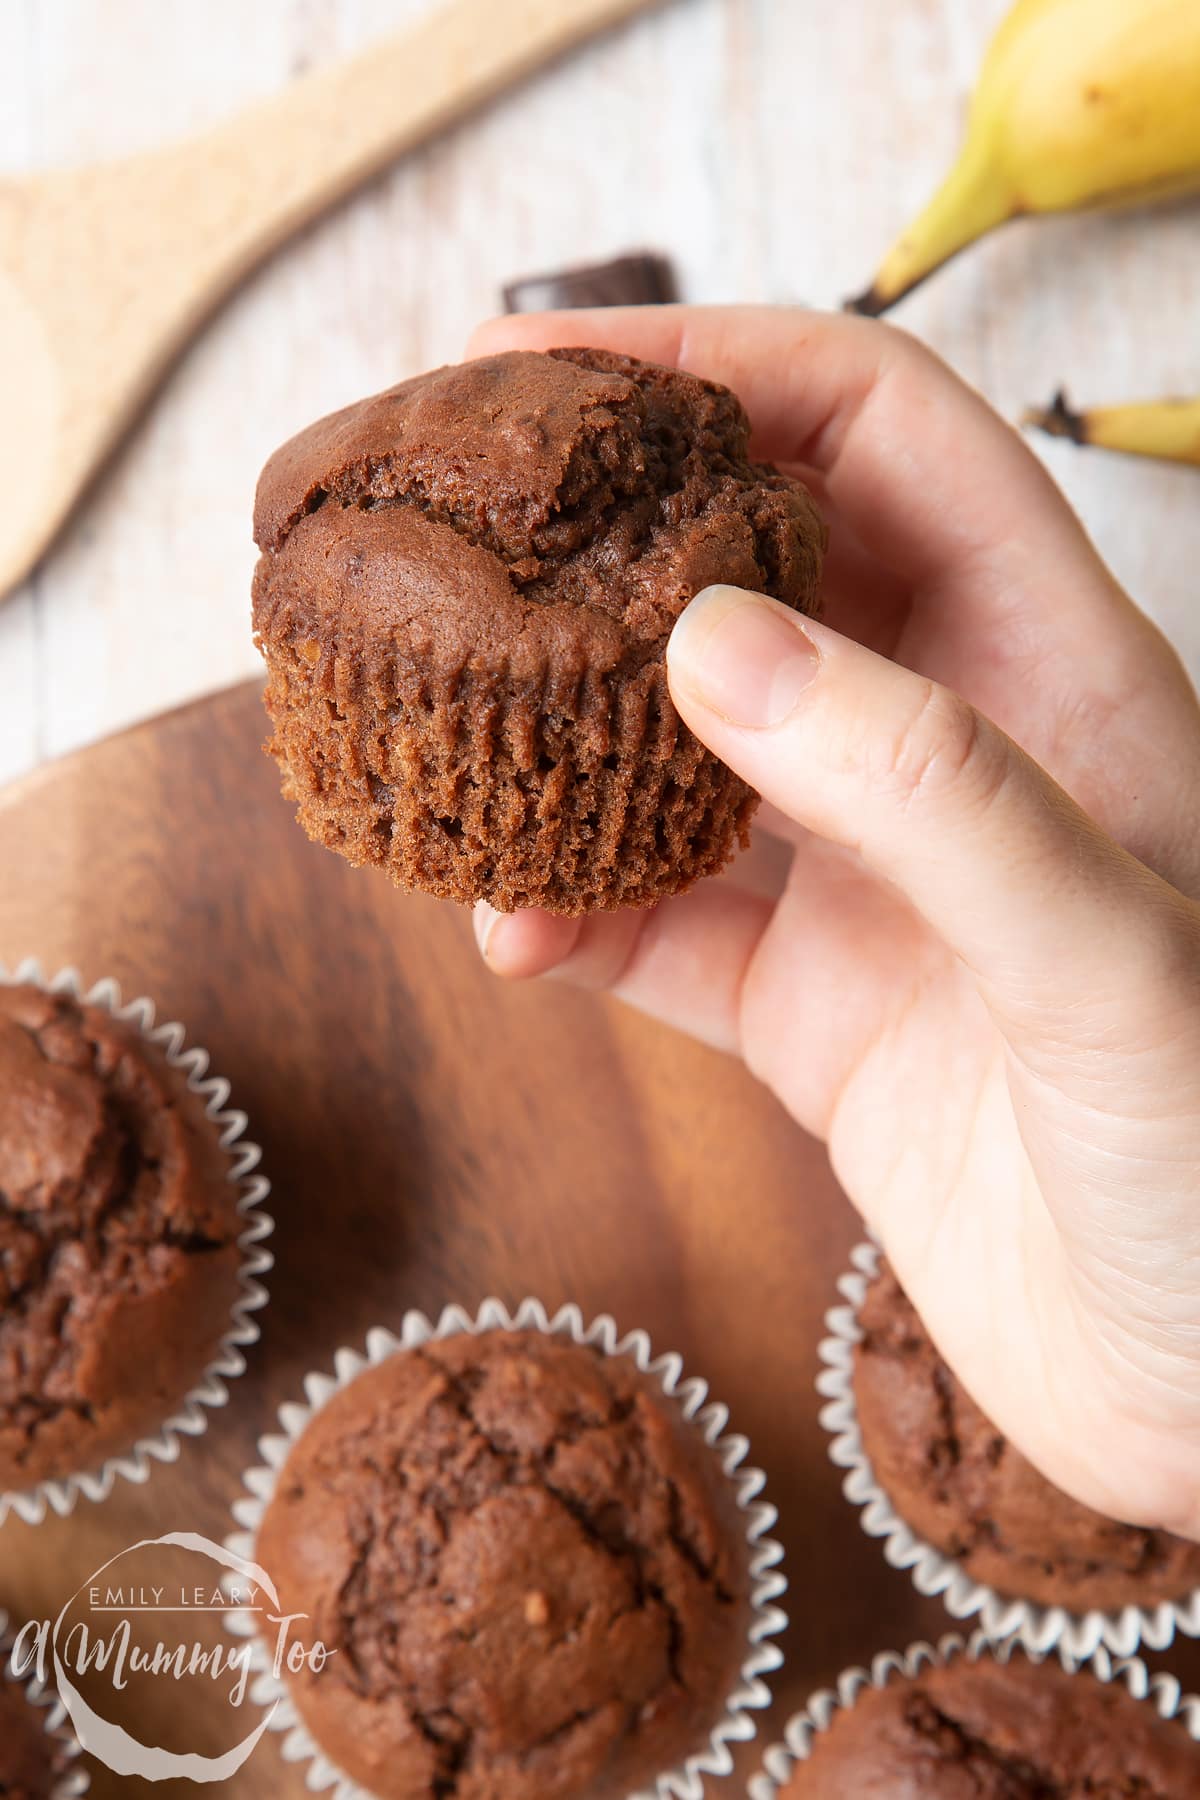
column 106, row 272
column 259, row 177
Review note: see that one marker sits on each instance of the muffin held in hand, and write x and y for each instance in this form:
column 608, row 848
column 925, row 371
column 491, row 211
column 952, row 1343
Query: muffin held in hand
column 960, row 1484
column 118, row 1237
column 464, row 598
column 990, row 1730
column 531, row 1570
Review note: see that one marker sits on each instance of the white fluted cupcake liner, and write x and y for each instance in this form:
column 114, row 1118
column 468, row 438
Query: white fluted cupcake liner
column 1162, row 1691
column 191, row 1417
column 689, row 1394
column 1038, row 1628
column 52, row 1716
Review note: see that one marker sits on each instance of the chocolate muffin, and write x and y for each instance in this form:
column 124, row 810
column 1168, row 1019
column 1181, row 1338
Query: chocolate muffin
column 118, row 1237
column 991, row 1730
column 464, row 597
column 530, row 1568
column 961, row 1485
column 30, row 1761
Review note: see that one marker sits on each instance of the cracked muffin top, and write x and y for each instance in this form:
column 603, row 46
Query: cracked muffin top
column 959, row 1483
column 30, row 1761
column 118, row 1229
column 463, row 600
column 529, row 504
column 529, row 1567
column 988, row 1730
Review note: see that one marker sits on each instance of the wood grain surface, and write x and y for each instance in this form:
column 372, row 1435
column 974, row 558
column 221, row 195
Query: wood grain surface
column 772, row 147
column 432, row 1135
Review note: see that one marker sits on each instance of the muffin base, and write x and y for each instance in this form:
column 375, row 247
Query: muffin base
column 576, row 798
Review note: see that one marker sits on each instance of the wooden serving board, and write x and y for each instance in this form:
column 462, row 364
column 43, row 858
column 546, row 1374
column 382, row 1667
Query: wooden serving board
column 431, row 1135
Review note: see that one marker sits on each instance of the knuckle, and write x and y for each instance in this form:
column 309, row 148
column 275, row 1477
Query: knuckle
column 941, row 745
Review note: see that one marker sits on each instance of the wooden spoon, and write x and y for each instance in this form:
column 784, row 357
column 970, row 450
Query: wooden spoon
column 106, row 272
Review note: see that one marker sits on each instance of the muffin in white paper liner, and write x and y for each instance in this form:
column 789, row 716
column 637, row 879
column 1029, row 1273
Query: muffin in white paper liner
column 1039, row 1628
column 1162, row 1691
column 52, row 1715
column 688, row 1392
column 191, row 1417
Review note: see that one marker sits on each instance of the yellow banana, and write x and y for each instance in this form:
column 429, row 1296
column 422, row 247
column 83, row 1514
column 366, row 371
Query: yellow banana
column 1080, row 103
column 1166, row 428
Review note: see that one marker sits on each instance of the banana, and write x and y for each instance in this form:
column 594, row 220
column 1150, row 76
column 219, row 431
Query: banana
column 1080, row 103
column 1165, row 428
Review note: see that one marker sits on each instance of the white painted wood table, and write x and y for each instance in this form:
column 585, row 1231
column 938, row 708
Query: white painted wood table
column 772, row 147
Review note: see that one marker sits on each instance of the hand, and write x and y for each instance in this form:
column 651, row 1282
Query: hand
column 973, row 964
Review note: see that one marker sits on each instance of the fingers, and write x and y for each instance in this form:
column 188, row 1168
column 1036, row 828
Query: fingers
column 916, row 462
column 860, row 596
column 827, row 965
column 683, row 962
column 1013, row 877
column 649, row 958
column 522, row 945
column 978, row 571
column 764, row 868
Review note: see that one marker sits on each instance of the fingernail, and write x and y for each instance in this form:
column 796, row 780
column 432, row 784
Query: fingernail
column 741, row 655
column 485, row 919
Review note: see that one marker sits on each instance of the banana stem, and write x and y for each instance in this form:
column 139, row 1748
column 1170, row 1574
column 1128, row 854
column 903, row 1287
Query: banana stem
column 1166, row 429
column 972, row 200
column 1059, row 419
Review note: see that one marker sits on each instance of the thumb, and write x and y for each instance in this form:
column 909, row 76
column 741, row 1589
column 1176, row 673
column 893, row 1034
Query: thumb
column 937, row 800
